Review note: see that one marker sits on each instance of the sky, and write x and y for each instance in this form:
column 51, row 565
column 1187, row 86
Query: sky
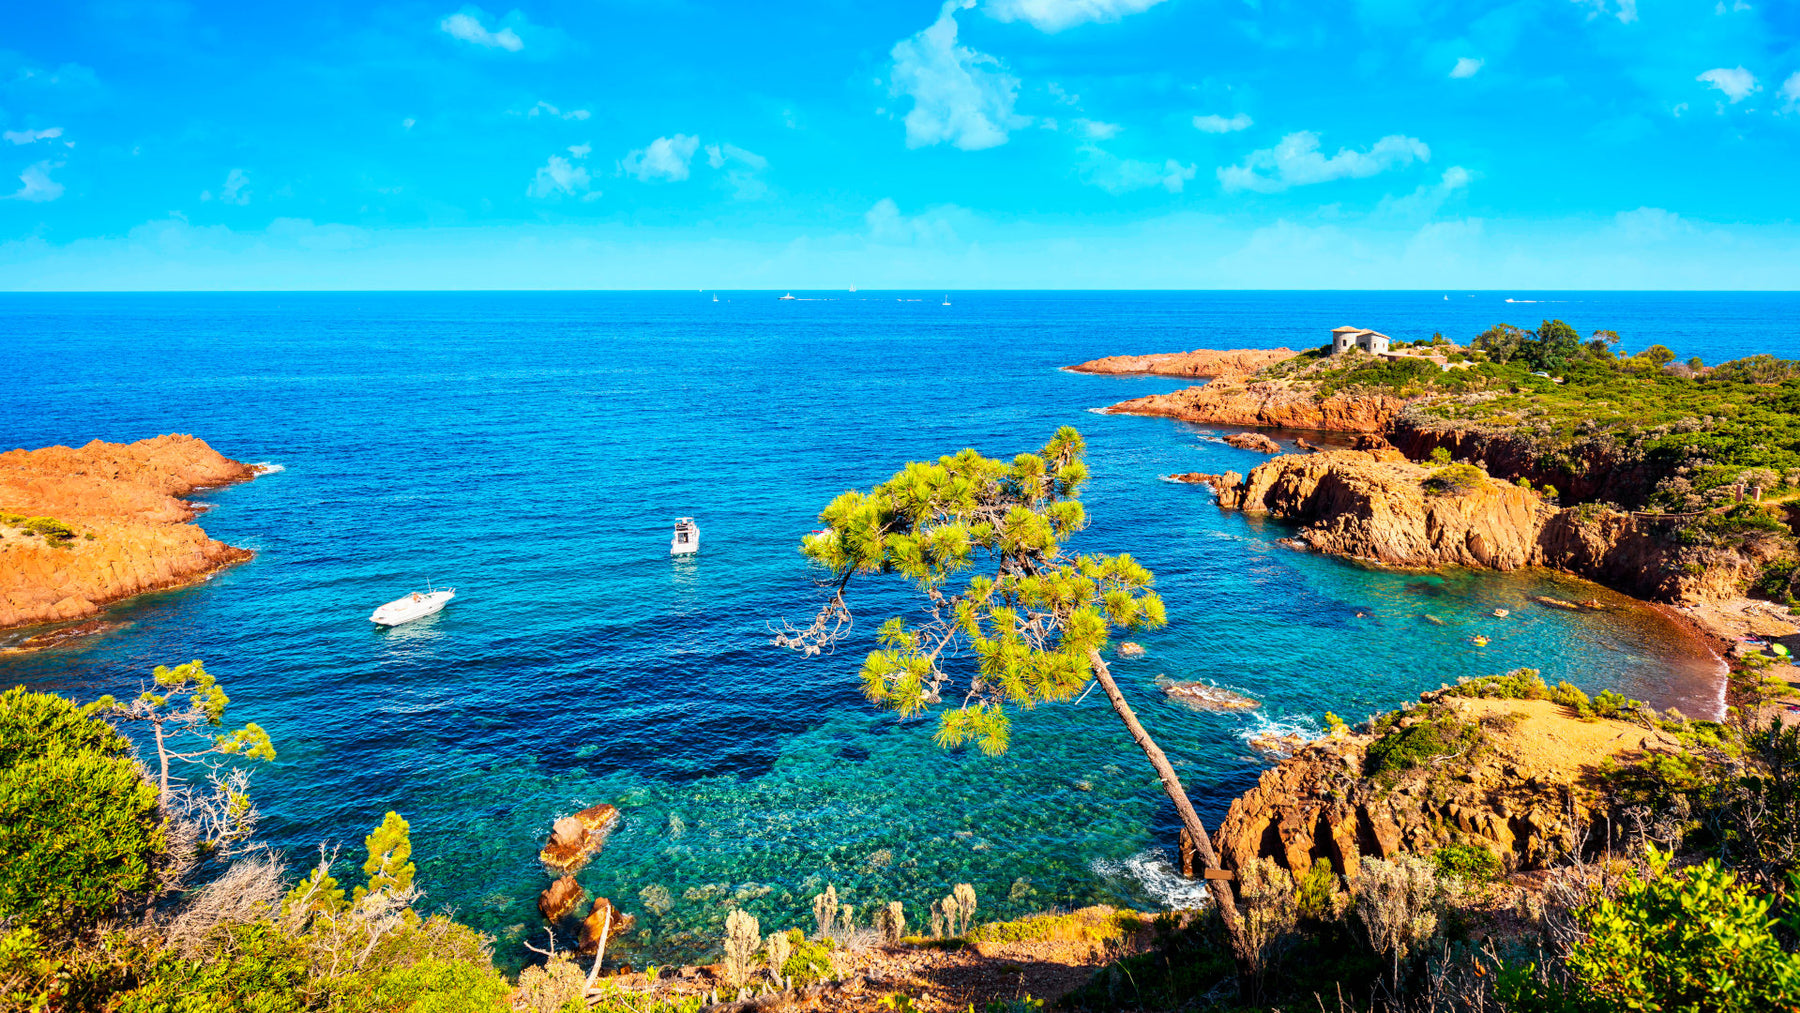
column 818, row 144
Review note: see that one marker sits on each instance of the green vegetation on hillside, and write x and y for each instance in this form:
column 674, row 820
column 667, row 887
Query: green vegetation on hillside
column 1704, row 433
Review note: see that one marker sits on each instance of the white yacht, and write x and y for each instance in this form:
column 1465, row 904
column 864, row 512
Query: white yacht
column 786, row 298
column 414, row 606
column 686, row 540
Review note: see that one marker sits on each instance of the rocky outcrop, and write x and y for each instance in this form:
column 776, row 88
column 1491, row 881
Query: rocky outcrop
column 1204, row 696
column 130, row 532
column 1253, row 441
column 1204, row 363
column 559, row 898
column 574, row 839
column 1525, row 790
column 1269, row 403
column 1377, row 507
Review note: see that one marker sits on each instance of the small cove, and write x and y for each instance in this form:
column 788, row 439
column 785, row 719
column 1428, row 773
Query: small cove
column 532, row 450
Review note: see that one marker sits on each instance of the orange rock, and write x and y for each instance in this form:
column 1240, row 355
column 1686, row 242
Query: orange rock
column 1271, row 403
column 560, row 898
column 1234, row 363
column 132, row 534
column 575, row 838
column 596, row 920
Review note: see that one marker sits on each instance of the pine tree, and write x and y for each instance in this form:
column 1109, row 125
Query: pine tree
column 1034, row 617
column 390, row 850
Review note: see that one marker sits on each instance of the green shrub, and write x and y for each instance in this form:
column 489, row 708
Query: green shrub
column 1696, row 940
column 1609, row 704
column 1518, row 684
column 1441, row 734
column 54, row 531
column 1470, row 862
column 262, row 971
column 1454, row 480
column 1440, row 455
column 1777, row 578
column 79, row 833
column 1316, row 894
column 442, row 986
column 810, row 960
column 36, row 725
column 1570, row 695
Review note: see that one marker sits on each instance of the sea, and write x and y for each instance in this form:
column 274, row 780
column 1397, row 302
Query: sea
column 532, row 450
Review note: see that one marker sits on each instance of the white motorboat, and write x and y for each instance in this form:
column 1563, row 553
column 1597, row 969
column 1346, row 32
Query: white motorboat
column 686, row 540
column 414, row 606
column 786, row 298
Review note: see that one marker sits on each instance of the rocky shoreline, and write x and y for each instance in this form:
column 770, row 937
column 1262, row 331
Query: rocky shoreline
column 1201, row 364
column 82, row 528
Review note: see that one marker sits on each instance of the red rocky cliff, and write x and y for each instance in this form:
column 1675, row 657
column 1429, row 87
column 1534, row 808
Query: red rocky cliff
column 131, row 532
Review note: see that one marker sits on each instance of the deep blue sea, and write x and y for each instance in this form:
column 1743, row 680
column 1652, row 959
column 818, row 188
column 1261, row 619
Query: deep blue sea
column 532, row 450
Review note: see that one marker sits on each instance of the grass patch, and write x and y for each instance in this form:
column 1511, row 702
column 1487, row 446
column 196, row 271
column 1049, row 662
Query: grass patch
column 1088, row 925
column 1437, row 734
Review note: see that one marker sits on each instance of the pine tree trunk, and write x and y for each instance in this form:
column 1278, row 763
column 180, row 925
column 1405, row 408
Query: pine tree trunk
column 1221, row 890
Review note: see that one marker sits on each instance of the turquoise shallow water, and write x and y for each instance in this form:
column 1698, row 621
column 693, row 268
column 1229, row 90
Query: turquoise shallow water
column 531, row 449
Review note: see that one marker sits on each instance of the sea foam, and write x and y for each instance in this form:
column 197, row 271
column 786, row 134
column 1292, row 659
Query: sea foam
column 1156, row 877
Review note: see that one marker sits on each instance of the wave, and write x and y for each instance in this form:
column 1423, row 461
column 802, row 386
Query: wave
column 1261, row 725
column 268, row 467
column 1153, row 875
column 1097, row 411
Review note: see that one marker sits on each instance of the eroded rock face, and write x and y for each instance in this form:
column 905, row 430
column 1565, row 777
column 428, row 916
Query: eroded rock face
column 131, row 530
column 604, row 918
column 1269, row 403
column 1236, row 363
column 1372, row 505
column 1506, row 797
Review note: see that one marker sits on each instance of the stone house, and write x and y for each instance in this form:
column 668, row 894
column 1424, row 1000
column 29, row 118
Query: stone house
column 1345, row 338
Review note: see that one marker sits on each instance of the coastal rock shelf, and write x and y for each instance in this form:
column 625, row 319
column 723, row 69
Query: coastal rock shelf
column 1271, row 403
column 123, row 527
column 1204, row 363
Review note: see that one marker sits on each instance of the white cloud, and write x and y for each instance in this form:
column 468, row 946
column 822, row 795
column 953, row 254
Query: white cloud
column 467, row 27
column 888, row 226
column 665, row 160
column 32, row 136
column 560, row 177
column 1790, row 90
column 1466, row 66
column 1215, row 124
column 1056, row 15
column 960, row 96
column 1736, row 6
column 1113, row 174
column 580, row 150
column 1428, row 198
column 1647, row 224
column 407, row 124
column 1097, row 130
column 1627, row 12
column 1737, row 83
column 1297, row 161
column 235, row 191
column 741, row 168
column 37, row 184
column 544, row 108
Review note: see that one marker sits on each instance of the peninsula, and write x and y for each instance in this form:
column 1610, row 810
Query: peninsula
column 1671, row 481
column 83, row 528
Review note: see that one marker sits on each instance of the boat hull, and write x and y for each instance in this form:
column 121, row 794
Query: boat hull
column 405, row 610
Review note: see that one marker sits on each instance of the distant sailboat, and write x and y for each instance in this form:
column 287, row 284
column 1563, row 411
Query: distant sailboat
column 946, row 299
column 715, row 297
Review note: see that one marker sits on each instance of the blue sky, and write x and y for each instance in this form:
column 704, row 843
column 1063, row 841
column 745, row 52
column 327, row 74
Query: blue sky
column 969, row 144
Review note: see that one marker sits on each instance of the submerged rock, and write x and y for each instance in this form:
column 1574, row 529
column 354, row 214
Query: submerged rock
column 1253, row 441
column 560, row 898
column 1130, row 649
column 1205, row 696
column 597, row 921
column 575, row 838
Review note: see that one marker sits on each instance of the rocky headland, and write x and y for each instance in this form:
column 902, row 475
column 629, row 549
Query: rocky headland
column 1521, row 778
column 1274, row 404
column 1204, row 363
column 81, row 528
column 1378, row 507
